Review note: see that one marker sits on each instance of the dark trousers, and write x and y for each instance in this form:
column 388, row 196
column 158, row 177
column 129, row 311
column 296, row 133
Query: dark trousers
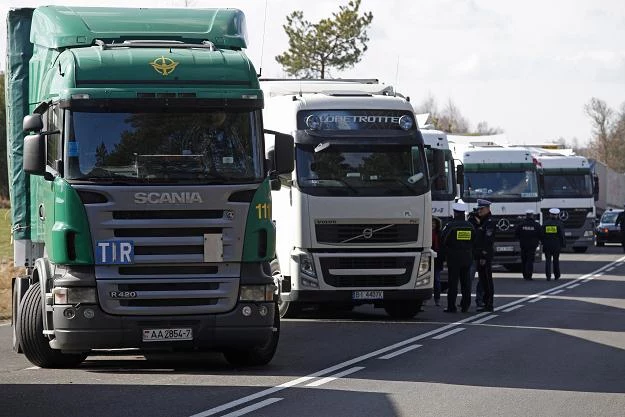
column 485, row 272
column 479, row 291
column 437, row 283
column 527, row 262
column 458, row 274
column 552, row 257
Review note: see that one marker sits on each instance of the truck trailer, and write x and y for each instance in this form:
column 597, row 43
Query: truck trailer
column 353, row 220
column 135, row 190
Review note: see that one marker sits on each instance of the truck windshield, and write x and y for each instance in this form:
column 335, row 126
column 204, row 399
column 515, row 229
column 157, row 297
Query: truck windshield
column 441, row 167
column 361, row 170
column 500, row 185
column 569, row 185
column 182, row 147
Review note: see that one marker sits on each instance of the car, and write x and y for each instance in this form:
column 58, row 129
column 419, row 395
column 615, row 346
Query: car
column 607, row 231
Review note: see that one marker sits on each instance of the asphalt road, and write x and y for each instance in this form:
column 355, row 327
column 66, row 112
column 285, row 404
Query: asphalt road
column 550, row 349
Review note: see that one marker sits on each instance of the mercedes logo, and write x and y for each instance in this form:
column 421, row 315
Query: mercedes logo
column 503, row 224
column 367, row 233
column 564, row 215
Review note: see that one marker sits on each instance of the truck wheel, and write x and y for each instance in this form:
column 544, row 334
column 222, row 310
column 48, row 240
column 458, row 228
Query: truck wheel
column 402, row 309
column 257, row 355
column 580, row 249
column 285, row 308
column 30, row 334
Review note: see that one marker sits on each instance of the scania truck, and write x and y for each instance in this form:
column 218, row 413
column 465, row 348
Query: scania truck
column 568, row 184
column 508, row 177
column 137, row 167
column 353, row 220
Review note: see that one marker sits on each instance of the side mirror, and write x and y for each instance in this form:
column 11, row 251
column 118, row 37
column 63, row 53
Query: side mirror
column 439, row 162
column 595, row 187
column 32, row 123
column 460, row 179
column 281, row 157
column 541, row 185
column 35, row 154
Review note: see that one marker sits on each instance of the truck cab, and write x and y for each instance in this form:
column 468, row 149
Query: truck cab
column 134, row 192
column 353, row 220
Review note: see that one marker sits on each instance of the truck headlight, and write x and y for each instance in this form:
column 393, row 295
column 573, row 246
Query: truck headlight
column 425, row 264
column 74, row 295
column 257, row 293
column 307, row 265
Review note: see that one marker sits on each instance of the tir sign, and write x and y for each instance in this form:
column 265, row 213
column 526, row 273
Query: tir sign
column 114, row 252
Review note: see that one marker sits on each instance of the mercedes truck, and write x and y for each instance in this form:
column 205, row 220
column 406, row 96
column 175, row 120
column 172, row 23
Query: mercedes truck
column 136, row 166
column 353, row 219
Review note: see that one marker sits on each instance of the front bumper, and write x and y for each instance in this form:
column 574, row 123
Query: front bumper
column 210, row 332
column 345, row 296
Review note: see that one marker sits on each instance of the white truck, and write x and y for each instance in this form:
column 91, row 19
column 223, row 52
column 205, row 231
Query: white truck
column 509, row 178
column 353, row 220
column 568, row 184
column 442, row 173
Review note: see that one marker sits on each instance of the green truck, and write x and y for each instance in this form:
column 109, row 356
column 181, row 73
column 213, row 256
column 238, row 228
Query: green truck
column 140, row 185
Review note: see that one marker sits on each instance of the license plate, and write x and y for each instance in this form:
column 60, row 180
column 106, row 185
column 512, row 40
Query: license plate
column 159, row 335
column 367, row 295
column 504, row 248
column 568, row 233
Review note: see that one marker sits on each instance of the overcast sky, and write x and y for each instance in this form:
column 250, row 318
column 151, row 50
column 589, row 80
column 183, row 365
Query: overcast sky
column 525, row 66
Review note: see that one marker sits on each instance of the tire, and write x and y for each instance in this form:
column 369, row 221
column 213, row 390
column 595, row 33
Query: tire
column 257, row 355
column 402, row 309
column 35, row 345
column 580, row 249
column 285, row 308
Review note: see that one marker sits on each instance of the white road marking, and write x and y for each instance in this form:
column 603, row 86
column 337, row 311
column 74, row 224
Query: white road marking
column 335, row 376
column 32, row 368
column 253, row 407
column 449, row 333
column 484, row 319
column 575, row 285
column 400, row 352
column 537, row 299
column 378, row 352
column 556, row 292
column 610, row 269
column 507, row 310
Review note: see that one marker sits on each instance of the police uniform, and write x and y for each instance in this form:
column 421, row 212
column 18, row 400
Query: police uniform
column 620, row 222
column 485, row 243
column 553, row 242
column 529, row 233
column 457, row 239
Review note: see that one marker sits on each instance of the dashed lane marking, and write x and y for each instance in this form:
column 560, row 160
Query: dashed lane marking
column 335, row 376
column 400, row 352
column 484, row 319
column 253, row 407
column 449, row 333
column 507, row 310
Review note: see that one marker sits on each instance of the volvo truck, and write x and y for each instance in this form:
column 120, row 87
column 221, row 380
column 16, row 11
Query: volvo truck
column 137, row 166
column 353, row 219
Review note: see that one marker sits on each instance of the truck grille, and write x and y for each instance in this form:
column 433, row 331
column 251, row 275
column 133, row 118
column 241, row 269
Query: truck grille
column 164, row 297
column 341, row 272
column 367, row 233
column 574, row 218
column 505, row 226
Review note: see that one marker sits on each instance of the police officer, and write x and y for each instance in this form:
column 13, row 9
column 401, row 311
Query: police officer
column 553, row 242
column 485, row 242
column 529, row 233
column 457, row 246
column 620, row 221
column 474, row 219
